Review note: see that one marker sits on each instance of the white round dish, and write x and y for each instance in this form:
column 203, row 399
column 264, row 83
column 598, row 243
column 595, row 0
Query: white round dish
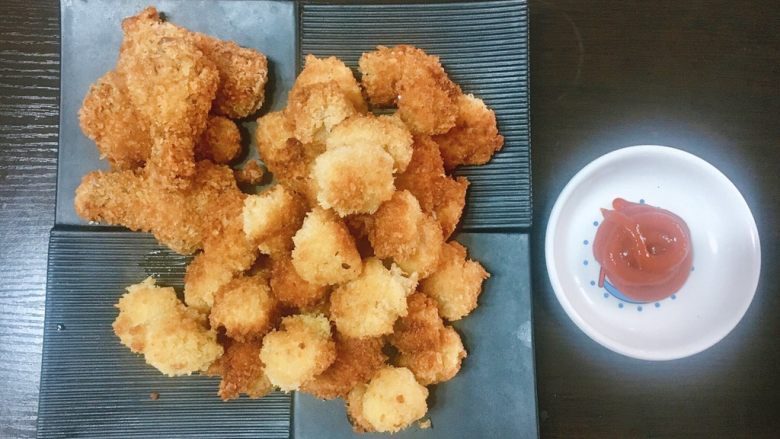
column 726, row 253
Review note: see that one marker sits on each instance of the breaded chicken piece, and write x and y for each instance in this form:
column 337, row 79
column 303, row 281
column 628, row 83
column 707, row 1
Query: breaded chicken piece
column 438, row 194
column 178, row 218
column 389, row 132
column 415, row 82
column 369, row 305
column 171, row 83
column 245, row 308
column 357, row 360
column 251, row 174
column 436, row 365
column 321, row 70
column 353, row 179
column 242, row 372
column 474, row 138
column 243, row 74
column 457, row 282
column 272, row 218
column 314, row 110
column 284, row 155
column 424, row 259
column 288, row 287
column 109, row 119
column 390, row 402
column 325, row 252
column 220, row 142
column 394, row 230
column 173, row 338
column 300, row 350
column 420, row 329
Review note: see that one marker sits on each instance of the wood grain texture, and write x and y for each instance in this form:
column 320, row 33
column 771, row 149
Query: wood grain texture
column 29, row 89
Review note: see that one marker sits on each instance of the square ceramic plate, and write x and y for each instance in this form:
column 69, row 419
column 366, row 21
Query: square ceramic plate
column 91, row 386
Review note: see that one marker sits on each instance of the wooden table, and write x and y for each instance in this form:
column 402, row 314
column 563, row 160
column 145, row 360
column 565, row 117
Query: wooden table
column 702, row 76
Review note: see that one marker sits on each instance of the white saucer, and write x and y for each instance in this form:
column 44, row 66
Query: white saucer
column 726, row 253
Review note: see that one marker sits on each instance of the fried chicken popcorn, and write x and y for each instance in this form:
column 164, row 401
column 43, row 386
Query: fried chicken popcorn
column 300, row 350
column 290, row 289
column 439, row 364
column 425, row 257
column 388, row 132
column 325, row 252
column 394, row 230
column 272, row 218
column 474, row 138
column 323, row 70
column 316, row 108
column 456, row 283
column 369, row 305
column 220, row 142
column 390, row 402
column 242, row 372
column 173, row 338
column 245, row 308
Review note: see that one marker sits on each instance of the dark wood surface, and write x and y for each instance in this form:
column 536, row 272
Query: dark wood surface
column 703, row 76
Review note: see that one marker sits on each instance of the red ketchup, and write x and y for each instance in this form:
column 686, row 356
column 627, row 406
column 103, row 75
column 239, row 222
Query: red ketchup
column 645, row 251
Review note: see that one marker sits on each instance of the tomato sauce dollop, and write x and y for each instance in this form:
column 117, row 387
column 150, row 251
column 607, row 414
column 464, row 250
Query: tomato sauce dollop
column 645, row 251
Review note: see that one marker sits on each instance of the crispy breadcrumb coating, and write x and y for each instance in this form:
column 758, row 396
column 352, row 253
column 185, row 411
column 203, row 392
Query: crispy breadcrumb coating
column 171, row 83
column 357, row 360
column 394, row 230
column 325, row 252
column 320, row 70
column 242, row 372
column 290, row 289
column 243, row 74
column 436, row 365
column 457, row 282
column 220, row 142
column 272, row 218
column 369, row 305
column 245, row 308
column 251, row 174
column 353, row 179
column 474, row 138
column 425, row 257
column 300, row 350
column 314, row 110
column 173, row 338
column 391, row 401
column 420, row 329
column 389, row 132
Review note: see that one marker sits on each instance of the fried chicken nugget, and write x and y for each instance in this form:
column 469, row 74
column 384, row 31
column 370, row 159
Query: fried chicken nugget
column 321, row 70
column 251, row 174
column 245, row 308
column 173, row 338
column 438, row 194
column 220, row 142
column 416, row 82
column 314, row 109
column 242, row 372
column 272, row 218
column 109, row 119
column 474, row 138
column 243, row 74
column 436, row 365
column 290, row 289
column 171, row 83
column 300, row 350
column 425, row 257
column 390, row 402
column 325, row 252
column 457, row 282
column 369, row 305
column 389, row 132
column 394, row 230
column 353, row 179
column 357, row 360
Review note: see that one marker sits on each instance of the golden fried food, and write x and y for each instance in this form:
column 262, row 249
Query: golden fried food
column 353, row 179
column 456, row 283
column 388, row 132
column 272, row 218
column 425, row 257
column 391, row 401
column 421, row 327
column 300, row 350
column 439, row 364
column 314, row 110
column 357, row 360
column 220, row 142
column 171, row 83
column 438, row 194
column 474, row 138
column 369, row 305
column 242, row 372
column 290, row 289
column 173, row 338
column 394, row 230
column 251, row 174
column 325, row 252
column 243, row 74
column 321, row 70
column 245, row 308
column 415, row 82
